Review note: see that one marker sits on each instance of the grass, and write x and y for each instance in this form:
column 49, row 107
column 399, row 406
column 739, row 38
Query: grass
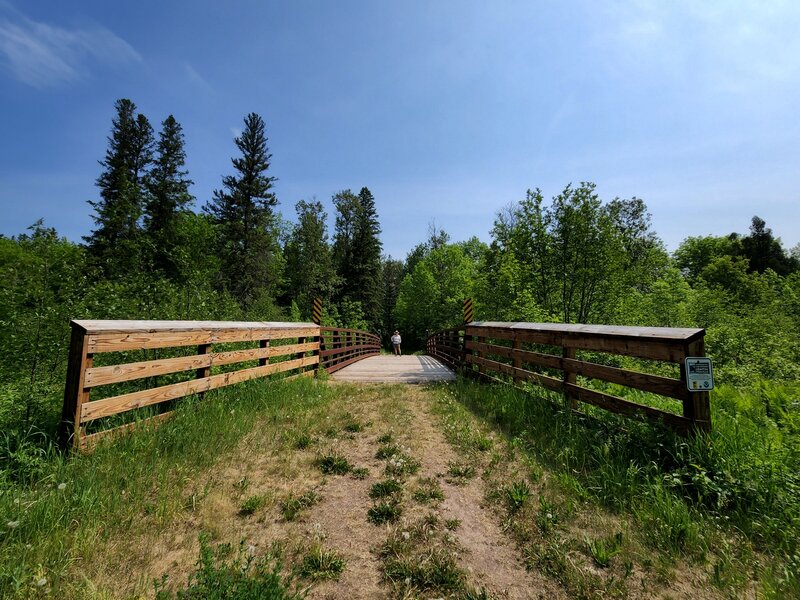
column 388, row 511
column 319, row 563
column 252, row 504
column 334, row 463
column 62, row 509
column 517, row 495
column 386, row 488
column 731, row 497
column 428, row 490
column 460, row 472
column 602, row 550
column 225, row 573
column 421, row 558
column 294, row 505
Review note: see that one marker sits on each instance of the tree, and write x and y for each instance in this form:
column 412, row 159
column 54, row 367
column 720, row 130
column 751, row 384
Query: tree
column 114, row 243
column 431, row 298
column 168, row 197
column 346, row 205
column 357, row 253
column 694, row 254
column 367, row 282
column 393, row 272
column 309, row 267
column 765, row 252
column 243, row 213
column 574, row 259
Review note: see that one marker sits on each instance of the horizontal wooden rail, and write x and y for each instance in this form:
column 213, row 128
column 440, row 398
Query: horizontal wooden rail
column 274, row 348
column 447, row 346
column 546, row 354
column 342, row 347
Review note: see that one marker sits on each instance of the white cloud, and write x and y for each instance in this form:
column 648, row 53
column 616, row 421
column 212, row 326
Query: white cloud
column 43, row 55
column 195, row 77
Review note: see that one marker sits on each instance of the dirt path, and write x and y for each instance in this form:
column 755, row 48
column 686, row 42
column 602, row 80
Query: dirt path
column 487, row 555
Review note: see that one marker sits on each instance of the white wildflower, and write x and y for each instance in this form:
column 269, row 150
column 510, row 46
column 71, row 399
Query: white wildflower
column 62, row 486
column 41, row 582
column 12, row 524
column 406, row 535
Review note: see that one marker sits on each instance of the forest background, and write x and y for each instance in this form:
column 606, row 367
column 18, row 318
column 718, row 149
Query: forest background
column 573, row 258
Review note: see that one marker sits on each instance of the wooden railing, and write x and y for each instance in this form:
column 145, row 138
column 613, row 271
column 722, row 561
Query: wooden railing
column 124, row 362
column 341, row 347
column 525, row 352
column 447, row 346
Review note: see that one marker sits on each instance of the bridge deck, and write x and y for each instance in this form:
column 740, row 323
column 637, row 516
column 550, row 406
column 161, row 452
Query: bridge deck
column 395, row 369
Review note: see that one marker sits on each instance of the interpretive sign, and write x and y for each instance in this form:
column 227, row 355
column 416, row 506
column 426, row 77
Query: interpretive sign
column 699, row 374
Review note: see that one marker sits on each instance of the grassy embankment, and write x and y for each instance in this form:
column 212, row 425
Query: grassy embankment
column 728, row 502
column 728, row 505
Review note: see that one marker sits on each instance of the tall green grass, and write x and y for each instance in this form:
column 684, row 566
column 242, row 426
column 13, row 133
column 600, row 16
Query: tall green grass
column 742, row 479
column 56, row 510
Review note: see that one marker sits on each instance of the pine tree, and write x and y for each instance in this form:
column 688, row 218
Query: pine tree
column 168, row 197
column 309, row 268
column 346, row 204
column 242, row 211
column 114, row 244
column 368, row 271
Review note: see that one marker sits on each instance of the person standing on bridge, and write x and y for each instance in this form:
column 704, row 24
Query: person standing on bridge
column 396, row 342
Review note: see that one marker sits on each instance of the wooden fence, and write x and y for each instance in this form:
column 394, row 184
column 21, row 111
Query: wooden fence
column 546, row 354
column 262, row 349
column 341, row 347
column 447, row 346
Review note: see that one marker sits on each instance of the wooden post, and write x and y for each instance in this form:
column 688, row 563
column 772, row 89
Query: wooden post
column 479, row 354
column 697, row 405
column 300, row 340
column 262, row 362
column 318, row 340
column 203, row 372
column 569, row 376
column 75, row 394
column 517, row 346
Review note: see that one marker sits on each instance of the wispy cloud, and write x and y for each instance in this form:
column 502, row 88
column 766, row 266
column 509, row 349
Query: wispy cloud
column 43, row 55
column 736, row 47
column 193, row 76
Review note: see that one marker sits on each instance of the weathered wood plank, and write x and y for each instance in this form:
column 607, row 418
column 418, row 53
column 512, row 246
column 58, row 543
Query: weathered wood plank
column 119, row 342
column 625, row 407
column 126, row 402
column 146, row 326
column 656, row 384
column 345, row 349
column 548, row 382
column 131, row 371
column 678, row 334
column 525, row 356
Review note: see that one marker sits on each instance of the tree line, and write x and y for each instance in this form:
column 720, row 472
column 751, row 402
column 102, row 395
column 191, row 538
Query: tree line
column 152, row 254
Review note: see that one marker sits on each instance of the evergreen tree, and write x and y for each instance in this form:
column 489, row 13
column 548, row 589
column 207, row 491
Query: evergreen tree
column 357, row 254
column 309, row 268
column 114, row 243
column 367, row 282
column 168, row 197
column 346, row 204
column 243, row 213
column 765, row 251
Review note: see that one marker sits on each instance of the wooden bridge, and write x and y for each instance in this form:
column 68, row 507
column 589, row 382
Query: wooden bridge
column 139, row 364
column 396, row 369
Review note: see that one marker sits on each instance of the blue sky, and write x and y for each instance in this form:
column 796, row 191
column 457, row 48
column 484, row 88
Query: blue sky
column 447, row 110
